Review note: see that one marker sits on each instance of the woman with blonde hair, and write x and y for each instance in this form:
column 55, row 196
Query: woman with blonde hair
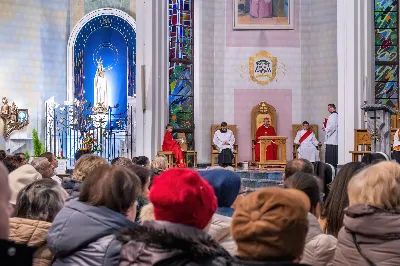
column 160, row 162
column 86, row 164
column 371, row 232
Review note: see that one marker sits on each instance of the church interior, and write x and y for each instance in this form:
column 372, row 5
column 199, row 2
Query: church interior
column 114, row 73
column 199, row 132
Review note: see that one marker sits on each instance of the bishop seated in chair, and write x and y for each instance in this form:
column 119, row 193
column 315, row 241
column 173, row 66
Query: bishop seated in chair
column 308, row 144
column 224, row 141
column 265, row 130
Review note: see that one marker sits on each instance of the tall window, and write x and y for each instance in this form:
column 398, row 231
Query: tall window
column 181, row 68
column 386, row 16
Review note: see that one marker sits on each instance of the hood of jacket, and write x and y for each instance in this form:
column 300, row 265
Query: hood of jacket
column 79, row 224
column 160, row 240
column 30, row 232
column 368, row 221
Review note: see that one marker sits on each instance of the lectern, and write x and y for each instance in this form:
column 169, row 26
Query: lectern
column 378, row 126
column 265, row 141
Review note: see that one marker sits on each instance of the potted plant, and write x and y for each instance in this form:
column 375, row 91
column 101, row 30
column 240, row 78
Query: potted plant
column 38, row 147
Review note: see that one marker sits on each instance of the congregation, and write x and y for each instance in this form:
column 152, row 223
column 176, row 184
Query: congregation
column 139, row 212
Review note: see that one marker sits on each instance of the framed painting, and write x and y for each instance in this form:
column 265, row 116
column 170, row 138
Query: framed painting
column 263, row 14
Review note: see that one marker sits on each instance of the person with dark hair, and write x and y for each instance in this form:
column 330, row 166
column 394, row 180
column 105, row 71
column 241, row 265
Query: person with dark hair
column 144, row 175
column 223, row 141
column 3, row 155
column 37, row 206
column 121, row 161
column 332, row 215
column 183, row 205
column 396, row 146
column 23, row 157
column 297, row 165
column 331, row 136
column 308, row 144
column 24, row 253
column 79, row 153
column 106, row 204
column 142, row 161
column 170, row 144
column 373, row 158
column 320, row 248
column 324, row 173
column 13, row 162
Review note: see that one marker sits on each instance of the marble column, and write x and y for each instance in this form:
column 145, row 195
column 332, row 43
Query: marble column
column 355, row 33
column 151, row 75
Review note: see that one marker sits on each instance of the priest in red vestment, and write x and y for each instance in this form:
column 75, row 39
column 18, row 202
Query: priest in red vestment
column 169, row 144
column 272, row 150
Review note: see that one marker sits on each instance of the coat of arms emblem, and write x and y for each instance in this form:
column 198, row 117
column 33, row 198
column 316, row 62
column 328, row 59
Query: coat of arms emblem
column 262, row 67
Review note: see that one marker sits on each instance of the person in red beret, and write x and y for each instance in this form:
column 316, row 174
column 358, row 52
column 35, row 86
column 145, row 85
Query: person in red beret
column 183, row 206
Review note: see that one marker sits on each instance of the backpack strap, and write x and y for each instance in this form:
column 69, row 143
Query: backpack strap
column 360, row 251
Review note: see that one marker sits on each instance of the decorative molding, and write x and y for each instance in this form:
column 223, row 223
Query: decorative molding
column 13, row 118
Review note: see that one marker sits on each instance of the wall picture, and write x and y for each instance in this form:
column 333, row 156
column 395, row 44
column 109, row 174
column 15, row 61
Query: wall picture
column 263, row 14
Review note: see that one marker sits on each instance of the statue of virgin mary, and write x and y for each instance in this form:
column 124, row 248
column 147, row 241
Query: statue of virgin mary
column 100, row 85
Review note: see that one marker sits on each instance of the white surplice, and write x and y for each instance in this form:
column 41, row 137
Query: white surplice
column 220, row 138
column 308, row 148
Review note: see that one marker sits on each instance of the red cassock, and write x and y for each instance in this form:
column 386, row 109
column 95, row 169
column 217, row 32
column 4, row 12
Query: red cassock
column 169, row 144
column 272, row 150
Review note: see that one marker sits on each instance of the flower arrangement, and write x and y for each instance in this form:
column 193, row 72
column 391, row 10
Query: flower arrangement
column 90, row 144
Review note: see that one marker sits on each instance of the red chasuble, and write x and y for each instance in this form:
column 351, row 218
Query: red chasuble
column 305, row 136
column 272, row 150
column 169, row 144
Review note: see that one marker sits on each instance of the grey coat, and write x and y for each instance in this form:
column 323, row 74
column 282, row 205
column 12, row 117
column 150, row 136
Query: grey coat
column 165, row 243
column 377, row 232
column 84, row 235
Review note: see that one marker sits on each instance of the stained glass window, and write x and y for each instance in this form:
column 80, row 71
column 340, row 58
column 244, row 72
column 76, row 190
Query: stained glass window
column 181, row 68
column 386, row 16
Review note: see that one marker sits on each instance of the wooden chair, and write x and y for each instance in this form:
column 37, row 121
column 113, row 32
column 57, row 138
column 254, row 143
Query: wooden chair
column 295, row 129
column 362, row 143
column 259, row 112
column 214, row 150
column 187, row 153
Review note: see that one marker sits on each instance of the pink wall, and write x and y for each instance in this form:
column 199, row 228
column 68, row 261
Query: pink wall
column 262, row 38
column 245, row 100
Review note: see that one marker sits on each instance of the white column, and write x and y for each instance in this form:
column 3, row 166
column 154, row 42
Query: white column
column 355, row 70
column 152, row 52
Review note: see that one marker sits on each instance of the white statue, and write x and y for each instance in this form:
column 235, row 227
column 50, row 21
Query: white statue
column 100, row 85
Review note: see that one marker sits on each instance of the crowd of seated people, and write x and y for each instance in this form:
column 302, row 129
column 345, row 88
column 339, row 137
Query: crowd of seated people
column 138, row 212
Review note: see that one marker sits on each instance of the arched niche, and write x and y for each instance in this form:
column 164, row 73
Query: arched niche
column 115, row 23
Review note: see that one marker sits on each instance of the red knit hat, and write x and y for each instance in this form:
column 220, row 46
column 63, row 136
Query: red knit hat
column 182, row 196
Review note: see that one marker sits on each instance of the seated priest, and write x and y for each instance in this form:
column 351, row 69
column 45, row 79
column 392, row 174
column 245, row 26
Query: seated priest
column 266, row 130
column 169, row 144
column 223, row 141
column 308, row 144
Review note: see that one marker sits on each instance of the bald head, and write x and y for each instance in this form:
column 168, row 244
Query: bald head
column 5, row 196
column 298, row 165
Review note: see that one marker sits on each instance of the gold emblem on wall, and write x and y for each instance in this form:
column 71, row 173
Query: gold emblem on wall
column 13, row 118
column 262, row 67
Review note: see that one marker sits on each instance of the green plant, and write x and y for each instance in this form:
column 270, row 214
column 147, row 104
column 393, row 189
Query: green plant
column 27, row 156
column 38, row 147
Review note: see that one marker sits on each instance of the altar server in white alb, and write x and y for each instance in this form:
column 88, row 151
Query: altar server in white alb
column 224, row 141
column 396, row 146
column 331, row 136
column 308, row 143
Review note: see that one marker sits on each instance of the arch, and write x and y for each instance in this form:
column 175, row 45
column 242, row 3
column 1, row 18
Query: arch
column 73, row 37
